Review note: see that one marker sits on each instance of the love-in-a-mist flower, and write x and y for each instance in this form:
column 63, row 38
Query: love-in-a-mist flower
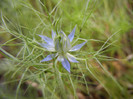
column 61, row 47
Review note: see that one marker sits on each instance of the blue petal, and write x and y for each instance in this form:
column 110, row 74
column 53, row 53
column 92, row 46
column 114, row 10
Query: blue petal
column 66, row 64
column 60, row 58
column 77, row 47
column 47, row 46
column 71, row 35
column 53, row 34
column 63, row 33
column 71, row 58
column 48, row 40
column 48, row 58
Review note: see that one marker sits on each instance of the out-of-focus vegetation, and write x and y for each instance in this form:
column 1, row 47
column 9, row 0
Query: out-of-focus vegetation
column 105, row 70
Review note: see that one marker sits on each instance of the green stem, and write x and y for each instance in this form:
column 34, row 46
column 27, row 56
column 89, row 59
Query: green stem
column 59, row 81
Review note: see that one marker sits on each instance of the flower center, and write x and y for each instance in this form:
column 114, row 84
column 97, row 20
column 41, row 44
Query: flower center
column 62, row 44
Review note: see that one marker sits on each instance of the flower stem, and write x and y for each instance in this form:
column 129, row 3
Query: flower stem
column 59, row 81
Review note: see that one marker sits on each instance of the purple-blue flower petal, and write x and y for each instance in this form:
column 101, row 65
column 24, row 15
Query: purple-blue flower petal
column 47, row 46
column 60, row 58
column 53, row 34
column 71, row 35
column 77, row 47
column 48, row 58
column 64, row 35
column 44, row 45
column 66, row 64
column 71, row 58
column 47, row 39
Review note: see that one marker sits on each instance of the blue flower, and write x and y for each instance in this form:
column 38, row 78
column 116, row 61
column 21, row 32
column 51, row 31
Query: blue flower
column 61, row 45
